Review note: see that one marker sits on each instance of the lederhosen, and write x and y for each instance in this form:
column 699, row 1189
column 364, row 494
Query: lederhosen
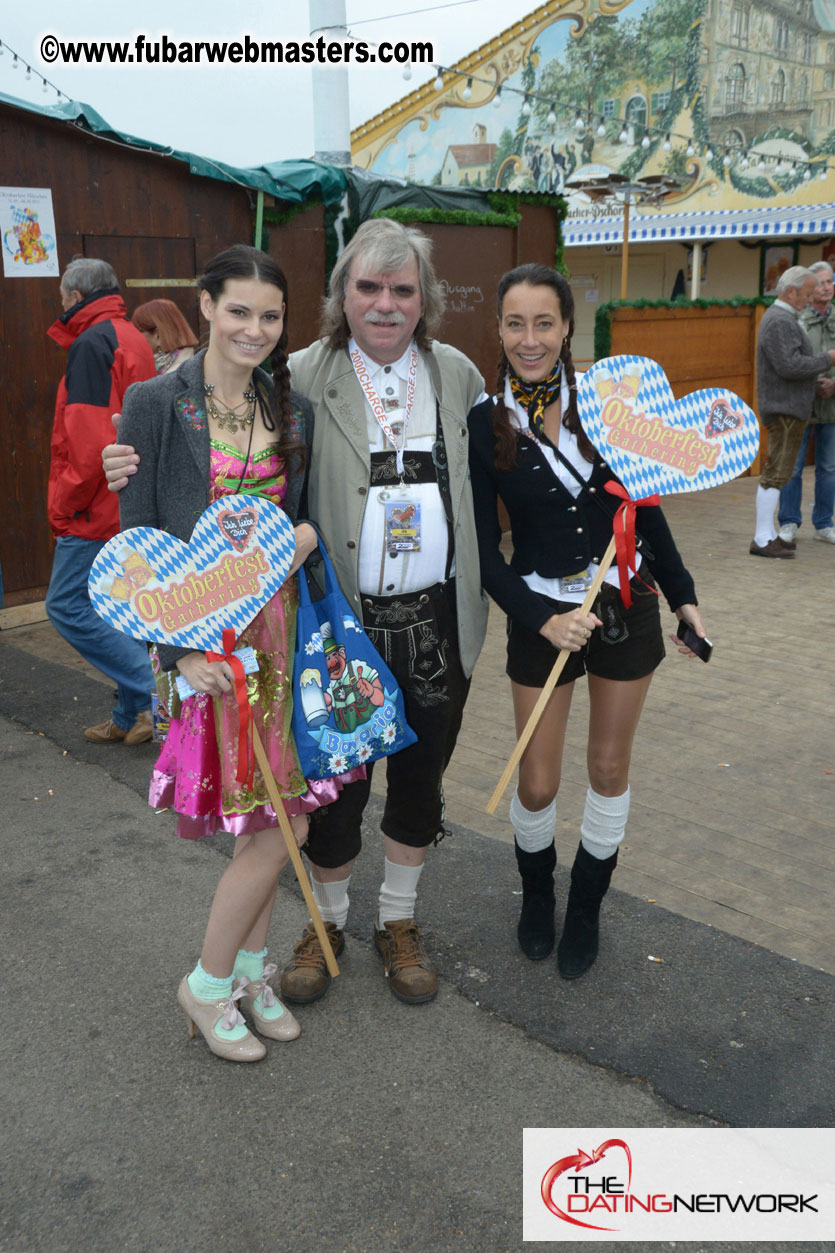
column 417, row 635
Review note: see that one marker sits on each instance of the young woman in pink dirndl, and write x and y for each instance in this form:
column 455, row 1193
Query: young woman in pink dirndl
column 219, row 425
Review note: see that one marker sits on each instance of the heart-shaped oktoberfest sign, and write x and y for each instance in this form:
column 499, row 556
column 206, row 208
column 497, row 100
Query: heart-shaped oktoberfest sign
column 152, row 586
column 655, row 443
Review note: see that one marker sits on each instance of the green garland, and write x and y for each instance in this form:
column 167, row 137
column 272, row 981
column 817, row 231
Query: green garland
column 505, row 212
column 449, row 217
column 280, row 217
column 603, row 317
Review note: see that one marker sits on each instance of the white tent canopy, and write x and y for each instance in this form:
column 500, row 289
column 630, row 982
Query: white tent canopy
column 647, row 226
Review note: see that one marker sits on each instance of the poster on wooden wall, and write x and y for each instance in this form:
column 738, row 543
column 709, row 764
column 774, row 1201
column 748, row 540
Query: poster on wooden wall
column 27, row 229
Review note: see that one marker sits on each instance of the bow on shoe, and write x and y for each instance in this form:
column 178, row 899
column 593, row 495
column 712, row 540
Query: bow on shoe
column 260, row 987
column 232, row 1016
column 263, row 988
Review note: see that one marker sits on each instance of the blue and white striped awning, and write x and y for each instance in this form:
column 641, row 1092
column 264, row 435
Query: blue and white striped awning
column 646, row 226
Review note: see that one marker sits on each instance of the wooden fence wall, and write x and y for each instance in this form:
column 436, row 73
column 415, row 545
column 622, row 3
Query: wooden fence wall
column 712, row 347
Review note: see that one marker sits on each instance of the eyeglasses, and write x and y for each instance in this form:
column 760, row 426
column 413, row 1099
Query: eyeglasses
column 399, row 291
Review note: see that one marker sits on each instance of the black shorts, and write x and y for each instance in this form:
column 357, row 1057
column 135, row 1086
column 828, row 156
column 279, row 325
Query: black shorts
column 629, row 645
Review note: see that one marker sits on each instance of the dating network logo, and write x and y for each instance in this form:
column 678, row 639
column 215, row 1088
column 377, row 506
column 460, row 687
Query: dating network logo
column 578, row 1190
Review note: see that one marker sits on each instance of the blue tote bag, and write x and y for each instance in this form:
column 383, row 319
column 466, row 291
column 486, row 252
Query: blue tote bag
column 347, row 706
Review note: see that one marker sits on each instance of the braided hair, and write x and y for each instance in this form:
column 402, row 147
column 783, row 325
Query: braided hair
column 243, row 261
column 506, row 434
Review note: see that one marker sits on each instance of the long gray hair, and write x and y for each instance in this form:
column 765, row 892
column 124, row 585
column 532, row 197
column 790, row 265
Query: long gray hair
column 384, row 246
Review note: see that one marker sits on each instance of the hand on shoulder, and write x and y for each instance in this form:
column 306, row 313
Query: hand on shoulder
column 119, row 461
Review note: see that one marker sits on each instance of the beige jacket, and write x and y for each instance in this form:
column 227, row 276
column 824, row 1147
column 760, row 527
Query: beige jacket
column 340, row 470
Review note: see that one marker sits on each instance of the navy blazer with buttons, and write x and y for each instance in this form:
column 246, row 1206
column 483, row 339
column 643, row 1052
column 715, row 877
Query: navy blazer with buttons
column 554, row 534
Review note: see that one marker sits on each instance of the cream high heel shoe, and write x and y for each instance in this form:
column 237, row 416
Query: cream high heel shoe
column 285, row 1027
column 206, row 1015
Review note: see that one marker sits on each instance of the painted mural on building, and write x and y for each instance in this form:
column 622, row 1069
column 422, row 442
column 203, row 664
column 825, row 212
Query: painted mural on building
column 735, row 97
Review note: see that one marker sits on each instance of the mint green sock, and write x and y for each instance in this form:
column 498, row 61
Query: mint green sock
column 207, row 988
column 251, row 966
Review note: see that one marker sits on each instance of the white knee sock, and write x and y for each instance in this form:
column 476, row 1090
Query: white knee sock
column 333, row 901
column 768, row 499
column 533, row 828
column 398, row 892
column 604, row 823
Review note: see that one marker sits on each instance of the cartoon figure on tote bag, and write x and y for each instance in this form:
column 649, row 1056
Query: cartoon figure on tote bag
column 354, row 690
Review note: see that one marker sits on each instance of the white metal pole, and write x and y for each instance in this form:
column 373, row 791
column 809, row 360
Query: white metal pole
column 331, row 106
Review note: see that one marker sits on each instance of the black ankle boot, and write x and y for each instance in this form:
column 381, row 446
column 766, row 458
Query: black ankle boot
column 536, row 924
column 590, row 878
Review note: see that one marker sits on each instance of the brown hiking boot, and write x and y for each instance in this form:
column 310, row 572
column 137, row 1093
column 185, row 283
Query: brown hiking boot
column 110, row 733
column 306, row 976
column 410, row 974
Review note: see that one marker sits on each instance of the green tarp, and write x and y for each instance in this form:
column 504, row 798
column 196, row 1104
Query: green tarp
column 288, row 180
column 295, row 181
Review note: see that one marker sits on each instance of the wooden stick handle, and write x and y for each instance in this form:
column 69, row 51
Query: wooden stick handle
column 550, row 684
column 293, row 850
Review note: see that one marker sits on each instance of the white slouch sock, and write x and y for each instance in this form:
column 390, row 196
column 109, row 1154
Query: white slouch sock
column 767, row 501
column 533, row 828
column 604, row 823
column 398, row 892
column 333, row 901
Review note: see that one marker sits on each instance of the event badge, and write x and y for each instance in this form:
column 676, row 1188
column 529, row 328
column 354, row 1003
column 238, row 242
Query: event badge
column 402, row 526
column 579, row 582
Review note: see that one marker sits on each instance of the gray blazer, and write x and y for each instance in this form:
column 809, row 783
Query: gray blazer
column 165, row 420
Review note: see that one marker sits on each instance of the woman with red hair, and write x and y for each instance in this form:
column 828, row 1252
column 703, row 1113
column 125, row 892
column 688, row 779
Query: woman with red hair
column 166, row 330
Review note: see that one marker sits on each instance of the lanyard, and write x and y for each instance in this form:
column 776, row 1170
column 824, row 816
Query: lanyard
column 377, row 406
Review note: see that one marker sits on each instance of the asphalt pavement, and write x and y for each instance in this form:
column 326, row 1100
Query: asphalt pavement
column 384, row 1126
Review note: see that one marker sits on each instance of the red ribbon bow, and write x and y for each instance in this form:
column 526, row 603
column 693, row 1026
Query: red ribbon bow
column 246, row 763
column 624, row 527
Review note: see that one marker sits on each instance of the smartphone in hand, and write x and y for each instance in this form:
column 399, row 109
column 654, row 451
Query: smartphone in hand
column 702, row 648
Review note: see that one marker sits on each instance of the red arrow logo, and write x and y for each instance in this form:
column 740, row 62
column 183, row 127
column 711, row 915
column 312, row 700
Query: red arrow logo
column 579, row 1161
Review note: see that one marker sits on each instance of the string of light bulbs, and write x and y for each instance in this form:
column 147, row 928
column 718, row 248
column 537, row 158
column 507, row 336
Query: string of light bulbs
column 781, row 165
column 18, row 61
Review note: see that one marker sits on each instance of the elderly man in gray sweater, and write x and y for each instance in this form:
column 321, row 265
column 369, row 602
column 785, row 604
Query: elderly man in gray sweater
column 787, row 372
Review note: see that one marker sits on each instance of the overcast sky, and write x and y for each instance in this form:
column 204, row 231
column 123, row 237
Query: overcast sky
column 240, row 114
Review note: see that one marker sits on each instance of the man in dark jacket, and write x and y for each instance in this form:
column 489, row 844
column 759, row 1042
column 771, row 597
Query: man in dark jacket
column 106, row 353
column 787, row 371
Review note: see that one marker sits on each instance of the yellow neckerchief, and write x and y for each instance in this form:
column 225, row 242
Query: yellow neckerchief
column 535, row 397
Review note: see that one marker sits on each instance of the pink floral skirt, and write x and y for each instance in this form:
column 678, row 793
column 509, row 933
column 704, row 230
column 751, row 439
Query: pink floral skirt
column 195, row 773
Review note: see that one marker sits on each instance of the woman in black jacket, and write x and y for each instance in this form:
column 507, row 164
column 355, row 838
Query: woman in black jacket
column 527, row 448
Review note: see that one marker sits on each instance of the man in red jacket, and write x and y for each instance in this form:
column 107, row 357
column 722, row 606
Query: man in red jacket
column 106, row 353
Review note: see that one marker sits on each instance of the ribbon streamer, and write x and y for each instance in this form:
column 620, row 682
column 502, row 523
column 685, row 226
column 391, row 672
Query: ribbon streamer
column 246, row 762
column 623, row 525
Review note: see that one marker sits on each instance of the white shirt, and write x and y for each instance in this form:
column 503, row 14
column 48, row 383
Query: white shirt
column 570, row 450
column 396, row 574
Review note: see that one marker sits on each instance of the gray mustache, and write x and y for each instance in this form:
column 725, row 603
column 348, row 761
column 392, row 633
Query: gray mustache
column 395, row 316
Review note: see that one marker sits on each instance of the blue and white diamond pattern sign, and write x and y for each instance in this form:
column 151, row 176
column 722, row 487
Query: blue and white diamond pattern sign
column 153, row 586
column 655, row 443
